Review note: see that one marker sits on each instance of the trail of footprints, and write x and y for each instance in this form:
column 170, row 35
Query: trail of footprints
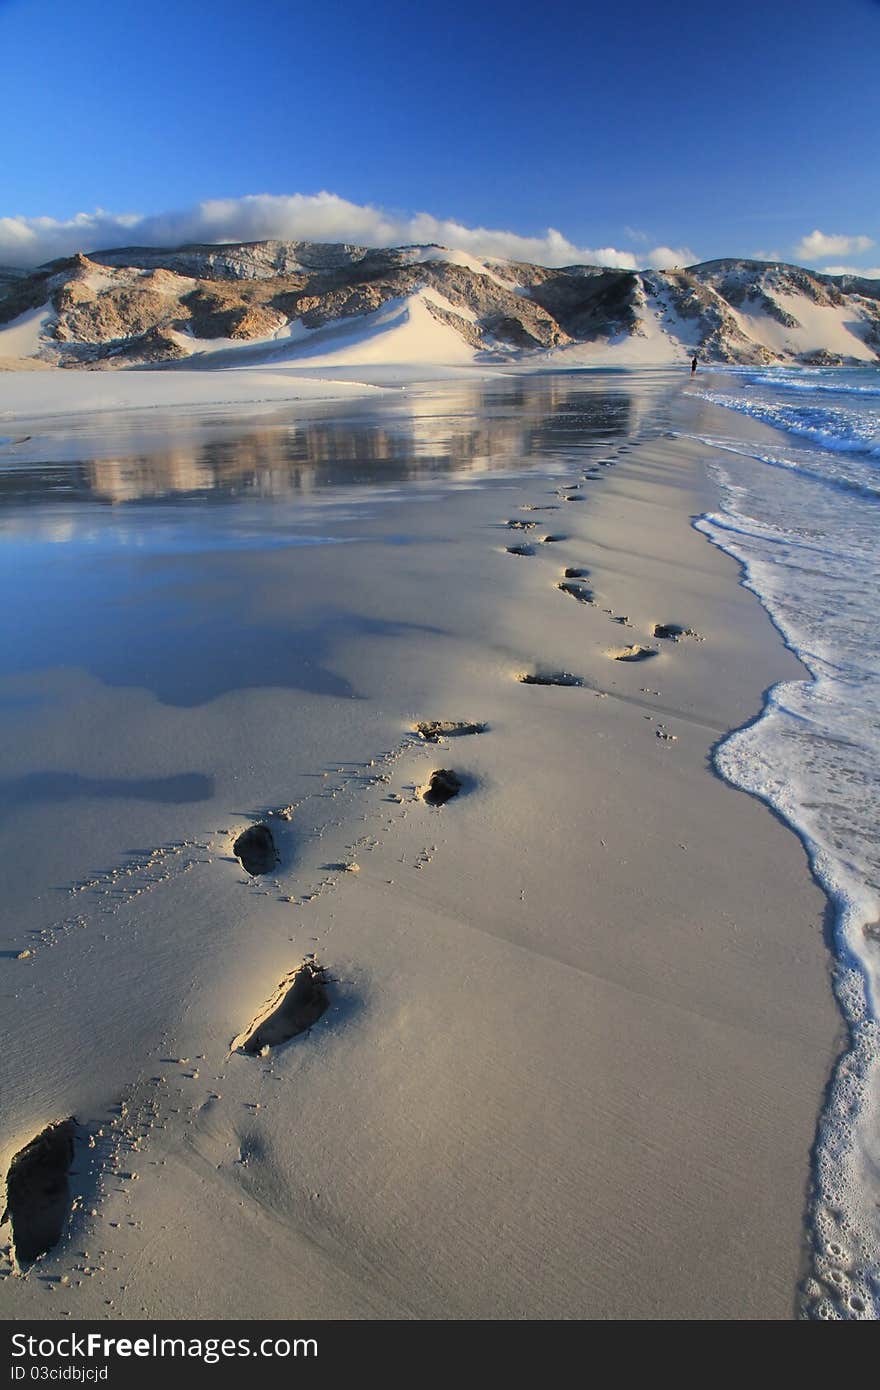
column 39, row 1205
column 573, row 583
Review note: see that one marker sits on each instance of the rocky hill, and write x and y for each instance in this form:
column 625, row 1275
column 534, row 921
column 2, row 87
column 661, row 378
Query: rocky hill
column 218, row 305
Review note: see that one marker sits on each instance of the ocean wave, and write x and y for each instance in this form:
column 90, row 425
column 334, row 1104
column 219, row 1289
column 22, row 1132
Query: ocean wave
column 806, row 465
column 830, row 427
column 810, row 383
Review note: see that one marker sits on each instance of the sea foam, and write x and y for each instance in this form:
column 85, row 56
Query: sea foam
column 802, row 521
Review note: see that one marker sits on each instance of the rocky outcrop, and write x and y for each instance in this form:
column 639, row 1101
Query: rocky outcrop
column 249, row 309
column 468, row 331
column 109, row 317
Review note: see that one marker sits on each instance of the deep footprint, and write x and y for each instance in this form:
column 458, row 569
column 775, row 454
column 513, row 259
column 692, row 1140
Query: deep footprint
column 549, row 678
column 38, row 1192
column 672, row 632
column 297, row 1004
column 441, row 787
column 578, row 591
column 550, row 540
column 255, row 847
column 572, row 572
column 516, row 525
column 432, row 730
column 633, row 653
column 520, row 550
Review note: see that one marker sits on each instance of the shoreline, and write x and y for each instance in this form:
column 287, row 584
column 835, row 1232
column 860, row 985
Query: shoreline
column 576, row 1058
column 841, row 1224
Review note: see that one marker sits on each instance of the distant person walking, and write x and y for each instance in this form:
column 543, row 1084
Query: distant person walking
column 693, row 365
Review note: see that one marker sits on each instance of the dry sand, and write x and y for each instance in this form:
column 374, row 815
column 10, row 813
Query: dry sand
column 580, row 1017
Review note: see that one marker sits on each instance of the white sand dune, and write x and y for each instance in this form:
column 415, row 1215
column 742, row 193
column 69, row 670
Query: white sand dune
column 403, row 332
column 23, row 336
column 835, row 328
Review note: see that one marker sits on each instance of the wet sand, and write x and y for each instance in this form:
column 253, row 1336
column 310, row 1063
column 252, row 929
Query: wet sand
column 579, row 1016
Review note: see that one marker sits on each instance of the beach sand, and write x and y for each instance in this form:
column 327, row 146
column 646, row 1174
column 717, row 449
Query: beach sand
column 580, row 1017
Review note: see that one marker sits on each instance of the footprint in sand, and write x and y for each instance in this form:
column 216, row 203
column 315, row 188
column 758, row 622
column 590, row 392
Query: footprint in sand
column 549, row 678
column 551, row 540
column 520, row 550
column 515, row 524
column 672, row 632
column 255, row 848
column 432, row 730
column 634, row 653
column 38, row 1192
column 577, row 590
column 441, row 787
column 573, row 572
column 298, row 1002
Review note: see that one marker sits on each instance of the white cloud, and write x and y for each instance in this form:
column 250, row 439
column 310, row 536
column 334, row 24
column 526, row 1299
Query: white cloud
column 871, row 273
column 664, row 258
column 820, row 246
column 29, row 241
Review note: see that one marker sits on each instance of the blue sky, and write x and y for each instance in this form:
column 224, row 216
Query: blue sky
column 707, row 130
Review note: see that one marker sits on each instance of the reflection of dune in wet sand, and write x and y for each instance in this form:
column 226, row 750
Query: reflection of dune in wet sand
column 124, row 452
